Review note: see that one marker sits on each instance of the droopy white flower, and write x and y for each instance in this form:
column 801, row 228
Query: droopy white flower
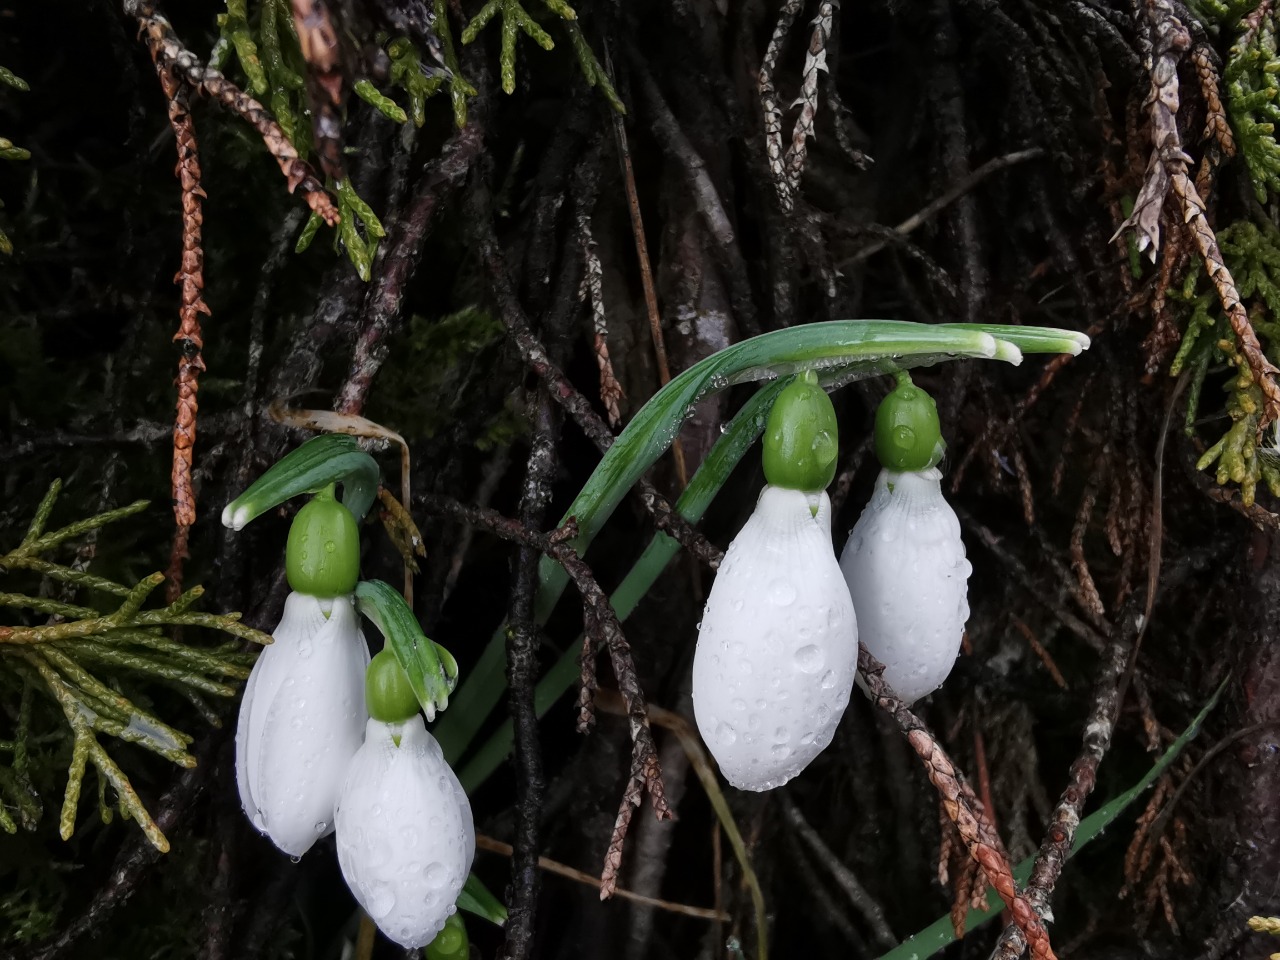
column 301, row 720
column 778, row 644
column 405, row 834
column 907, row 573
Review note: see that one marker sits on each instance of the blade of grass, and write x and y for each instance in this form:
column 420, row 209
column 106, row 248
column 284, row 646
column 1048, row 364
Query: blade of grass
column 940, row 933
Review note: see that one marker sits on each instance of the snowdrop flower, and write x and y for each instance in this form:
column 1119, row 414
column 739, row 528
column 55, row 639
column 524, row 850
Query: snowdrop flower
column 303, row 711
column 778, row 643
column 301, row 720
column 905, row 562
column 405, row 834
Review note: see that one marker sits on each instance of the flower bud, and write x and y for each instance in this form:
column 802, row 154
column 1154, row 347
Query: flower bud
column 387, row 690
column 907, row 573
column 301, row 720
column 405, row 833
column 800, row 438
column 908, row 435
column 323, row 554
column 778, row 644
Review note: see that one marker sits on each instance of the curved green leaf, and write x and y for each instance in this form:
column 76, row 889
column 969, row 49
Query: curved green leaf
column 431, row 669
column 322, row 460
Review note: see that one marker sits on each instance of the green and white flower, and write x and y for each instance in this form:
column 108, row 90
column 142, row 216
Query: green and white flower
column 778, row 643
column 905, row 562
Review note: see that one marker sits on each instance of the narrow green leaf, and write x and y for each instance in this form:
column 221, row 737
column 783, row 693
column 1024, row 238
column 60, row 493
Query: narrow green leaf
column 476, row 898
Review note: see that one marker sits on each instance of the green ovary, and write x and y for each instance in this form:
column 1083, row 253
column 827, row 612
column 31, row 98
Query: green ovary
column 801, row 439
column 323, row 554
column 387, row 691
column 908, row 434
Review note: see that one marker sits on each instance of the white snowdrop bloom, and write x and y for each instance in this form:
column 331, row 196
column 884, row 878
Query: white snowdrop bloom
column 908, row 576
column 301, row 721
column 778, row 644
column 405, row 834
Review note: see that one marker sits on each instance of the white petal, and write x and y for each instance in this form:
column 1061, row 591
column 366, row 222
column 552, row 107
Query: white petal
column 405, row 834
column 908, row 576
column 778, row 644
column 301, row 721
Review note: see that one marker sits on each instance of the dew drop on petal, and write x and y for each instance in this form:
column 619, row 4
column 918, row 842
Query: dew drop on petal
column 380, row 900
column 809, row 659
column 828, row 678
column 782, row 593
column 726, row 733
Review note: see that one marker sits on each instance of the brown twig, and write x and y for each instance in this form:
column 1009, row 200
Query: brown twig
column 398, row 258
column 1039, row 650
column 948, row 197
column 522, row 675
column 1168, row 170
column 1080, row 783
column 815, row 63
column 962, row 805
column 592, row 290
column 769, row 102
column 557, row 385
column 861, row 899
column 581, row 876
column 167, row 51
column 191, row 277
column 646, row 276
column 602, row 629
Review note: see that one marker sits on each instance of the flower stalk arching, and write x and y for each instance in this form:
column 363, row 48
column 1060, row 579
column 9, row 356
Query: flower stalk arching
column 904, row 562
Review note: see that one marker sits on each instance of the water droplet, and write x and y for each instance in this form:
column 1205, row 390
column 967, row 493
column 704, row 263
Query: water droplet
column 726, row 733
column 330, row 546
column 781, row 751
column 320, row 825
column 780, row 733
column 824, row 448
column 809, row 659
column 806, row 738
column 828, row 678
column 435, row 875
column 380, row 901
column 782, row 593
column 296, row 859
